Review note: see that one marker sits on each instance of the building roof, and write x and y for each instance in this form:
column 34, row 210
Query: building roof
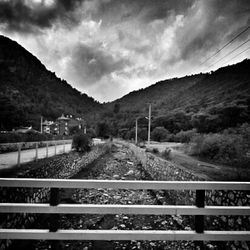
column 47, row 123
column 25, row 130
column 62, row 118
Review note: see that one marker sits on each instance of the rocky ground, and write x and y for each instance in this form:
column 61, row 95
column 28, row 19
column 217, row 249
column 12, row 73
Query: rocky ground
column 119, row 164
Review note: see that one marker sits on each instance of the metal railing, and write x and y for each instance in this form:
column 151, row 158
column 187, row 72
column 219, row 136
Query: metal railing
column 199, row 210
column 54, row 143
column 42, row 149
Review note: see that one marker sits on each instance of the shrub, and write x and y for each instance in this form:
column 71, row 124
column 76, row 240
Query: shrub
column 74, row 130
column 152, row 150
column 142, row 145
column 171, row 138
column 24, row 137
column 82, row 143
column 166, row 154
column 185, row 136
column 223, row 148
column 160, row 134
column 103, row 130
column 91, row 132
column 155, row 150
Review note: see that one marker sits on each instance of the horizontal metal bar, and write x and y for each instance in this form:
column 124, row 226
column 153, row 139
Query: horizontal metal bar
column 34, row 142
column 121, row 209
column 36, row 234
column 119, row 184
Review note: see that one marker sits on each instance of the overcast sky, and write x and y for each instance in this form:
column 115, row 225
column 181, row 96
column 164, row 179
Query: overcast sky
column 107, row 48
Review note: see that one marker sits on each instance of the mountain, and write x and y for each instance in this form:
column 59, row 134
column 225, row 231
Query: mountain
column 220, row 98
column 192, row 92
column 28, row 90
column 209, row 102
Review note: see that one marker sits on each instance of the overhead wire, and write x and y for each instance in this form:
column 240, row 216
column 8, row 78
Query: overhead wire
column 229, row 53
column 224, row 46
column 238, row 54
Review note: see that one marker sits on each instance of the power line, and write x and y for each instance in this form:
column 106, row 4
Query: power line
column 237, row 55
column 242, row 32
column 230, row 53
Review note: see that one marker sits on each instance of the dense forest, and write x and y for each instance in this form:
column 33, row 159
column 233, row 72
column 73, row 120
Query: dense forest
column 208, row 102
column 28, row 90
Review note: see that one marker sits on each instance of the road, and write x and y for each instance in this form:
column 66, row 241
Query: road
column 8, row 160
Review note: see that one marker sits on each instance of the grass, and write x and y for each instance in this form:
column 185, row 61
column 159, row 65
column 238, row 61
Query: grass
column 204, row 168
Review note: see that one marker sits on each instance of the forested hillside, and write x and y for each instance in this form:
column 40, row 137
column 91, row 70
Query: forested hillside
column 208, row 102
column 28, row 90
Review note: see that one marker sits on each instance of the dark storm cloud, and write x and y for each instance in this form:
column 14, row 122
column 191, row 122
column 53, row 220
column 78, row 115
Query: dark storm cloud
column 90, row 64
column 220, row 22
column 207, row 23
column 149, row 10
column 110, row 47
column 161, row 9
column 30, row 16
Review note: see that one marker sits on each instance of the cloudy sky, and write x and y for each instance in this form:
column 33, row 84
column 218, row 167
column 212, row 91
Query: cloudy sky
column 107, row 48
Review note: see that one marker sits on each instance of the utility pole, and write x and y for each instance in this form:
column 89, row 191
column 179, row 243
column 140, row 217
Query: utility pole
column 136, row 128
column 149, row 123
column 41, row 125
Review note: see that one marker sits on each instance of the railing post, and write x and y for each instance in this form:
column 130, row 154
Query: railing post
column 54, row 223
column 36, row 157
column 199, row 219
column 19, row 154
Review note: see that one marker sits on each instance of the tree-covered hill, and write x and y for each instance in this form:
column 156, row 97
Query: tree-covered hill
column 28, row 90
column 208, row 102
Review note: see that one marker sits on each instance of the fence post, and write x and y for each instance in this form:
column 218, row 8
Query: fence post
column 54, row 223
column 36, row 157
column 47, row 150
column 19, row 154
column 63, row 146
column 199, row 219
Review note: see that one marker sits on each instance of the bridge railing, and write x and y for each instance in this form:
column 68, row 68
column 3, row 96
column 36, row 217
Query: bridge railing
column 199, row 210
column 51, row 149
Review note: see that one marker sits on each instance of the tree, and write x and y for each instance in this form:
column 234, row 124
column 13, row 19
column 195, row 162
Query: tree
column 142, row 134
column 82, row 143
column 74, row 130
column 116, row 108
column 10, row 115
column 91, row 132
column 103, row 130
column 199, row 121
column 159, row 134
